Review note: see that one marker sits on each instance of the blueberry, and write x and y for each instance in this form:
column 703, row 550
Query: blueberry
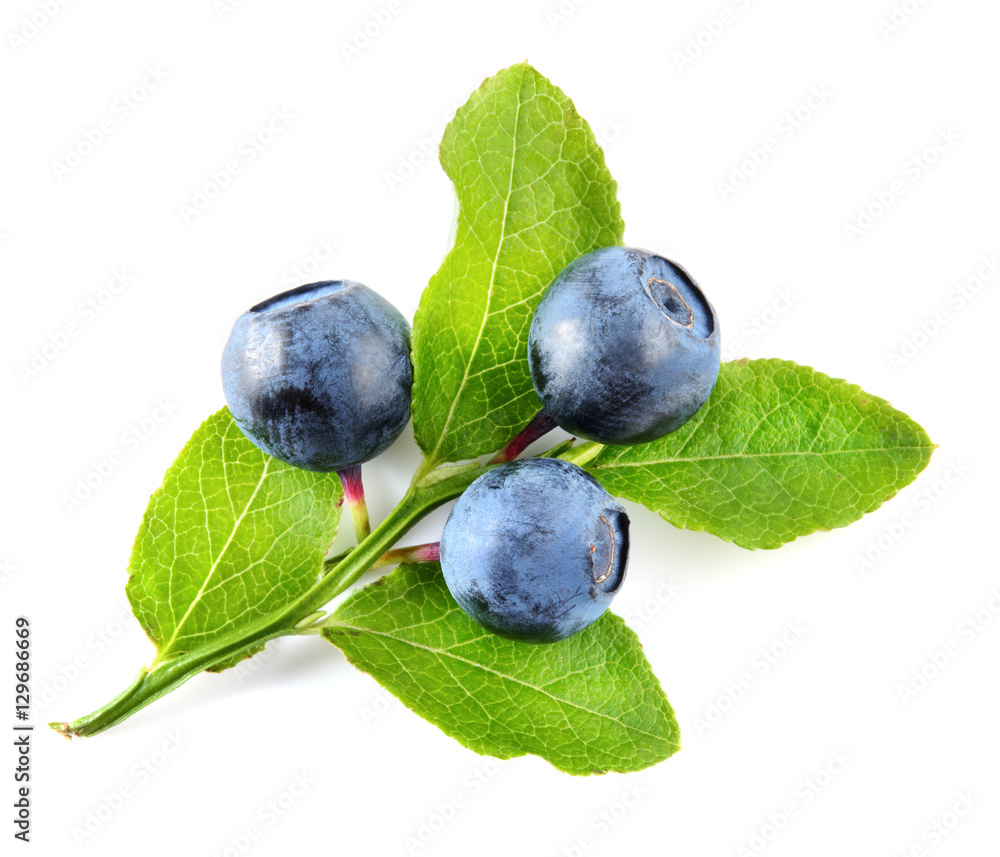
column 623, row 347
column 535, row 550
column 320, row 376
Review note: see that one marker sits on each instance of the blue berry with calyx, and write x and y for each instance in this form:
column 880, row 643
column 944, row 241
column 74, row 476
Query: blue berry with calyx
column 624, row 347
column 535, row 550
column 320, row 376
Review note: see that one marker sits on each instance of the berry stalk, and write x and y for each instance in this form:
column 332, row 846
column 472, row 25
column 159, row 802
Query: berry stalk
column 540, row 425
column 354, row 496
column 430, row 552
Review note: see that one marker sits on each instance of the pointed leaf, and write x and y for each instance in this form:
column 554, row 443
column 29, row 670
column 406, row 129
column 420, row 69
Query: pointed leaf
column 534, row 193
column 778, row 451
column 232, row 535
column 588, row 704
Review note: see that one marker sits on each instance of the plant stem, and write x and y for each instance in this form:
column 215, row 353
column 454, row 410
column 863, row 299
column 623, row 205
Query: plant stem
column 152, row 683
column 582, row 455
column 354, row 494
column 540, row 425
column 430, row 552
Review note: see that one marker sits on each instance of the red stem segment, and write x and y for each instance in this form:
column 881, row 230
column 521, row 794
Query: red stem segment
column 354, row 495
column 541, row 425
column 430, row 552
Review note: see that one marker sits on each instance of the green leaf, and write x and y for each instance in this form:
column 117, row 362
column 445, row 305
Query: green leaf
column 778, row 451
column 587, row 705
column 231, row 536
column 534, row 194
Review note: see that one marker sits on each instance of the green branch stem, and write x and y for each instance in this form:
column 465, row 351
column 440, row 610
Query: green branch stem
column 582, row 454
column 430, row 490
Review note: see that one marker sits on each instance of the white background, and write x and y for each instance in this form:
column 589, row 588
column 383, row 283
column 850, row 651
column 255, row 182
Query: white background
column 200, row 767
